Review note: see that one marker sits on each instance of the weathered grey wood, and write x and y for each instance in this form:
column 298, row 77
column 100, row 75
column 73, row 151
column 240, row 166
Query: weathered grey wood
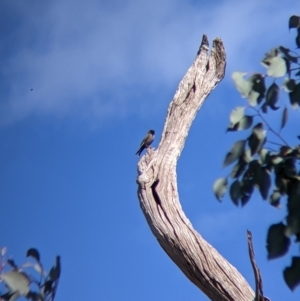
column 197, row 259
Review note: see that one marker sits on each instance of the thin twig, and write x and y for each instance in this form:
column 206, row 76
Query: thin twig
column 269, row 127
column 275, row 143
column 259, row 296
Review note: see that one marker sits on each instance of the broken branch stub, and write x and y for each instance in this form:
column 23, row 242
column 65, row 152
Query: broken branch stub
column 157, row 186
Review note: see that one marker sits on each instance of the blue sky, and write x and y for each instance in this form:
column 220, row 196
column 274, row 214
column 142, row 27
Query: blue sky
column 103, row 74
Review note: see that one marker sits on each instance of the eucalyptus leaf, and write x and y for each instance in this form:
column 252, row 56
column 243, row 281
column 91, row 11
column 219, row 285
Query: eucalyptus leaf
column 220, row 188
column 237, row 114
column 263, row 180
column 294, row 22
column 54, row 273
column 276, row 66
column 253, row 98
column 12, row 263
column 275, row 198
column 242, row 85
column 239, row 168
column 295, row 96
column 14, row 296
column 247, row 187
column 257, row 138
column 277, row 243
column 289, row 85
column 17, row 282
column 235, row 152
column 293, row 223
column 298, row 39
column 281, row 183
column 272, row 95
column 284, row 118
column 258, row 86
column 33, row 296
column 9, row 296
column 263, row 156
column 264, row 108
column 245, row 123
column 235, row 192
column 34, row 253
column 292, row 274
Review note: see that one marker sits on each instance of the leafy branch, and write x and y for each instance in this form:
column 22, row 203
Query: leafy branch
column 283, row 123
column 256, row 165
column 19, row 282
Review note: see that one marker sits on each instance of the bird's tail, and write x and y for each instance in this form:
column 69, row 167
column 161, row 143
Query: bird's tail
column 139, row 151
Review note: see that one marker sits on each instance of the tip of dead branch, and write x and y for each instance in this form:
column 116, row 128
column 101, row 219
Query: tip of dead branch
column 218, row 43
column 204, row 40
column 219, row 55
column 204, row 43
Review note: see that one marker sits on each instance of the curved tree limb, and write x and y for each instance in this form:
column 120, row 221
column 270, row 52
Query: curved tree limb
column 158, row 194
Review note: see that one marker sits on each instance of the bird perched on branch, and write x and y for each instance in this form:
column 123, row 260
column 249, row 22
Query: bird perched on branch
column 146, row 142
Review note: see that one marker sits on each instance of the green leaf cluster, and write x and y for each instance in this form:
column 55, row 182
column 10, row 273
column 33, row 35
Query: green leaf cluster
column 260, row 163
column 19, row 283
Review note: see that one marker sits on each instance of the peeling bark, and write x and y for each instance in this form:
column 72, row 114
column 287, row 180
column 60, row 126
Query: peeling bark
column 157, row 186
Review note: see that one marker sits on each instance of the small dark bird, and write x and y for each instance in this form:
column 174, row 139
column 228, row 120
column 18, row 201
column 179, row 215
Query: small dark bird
column 31, row 89
column 146, row 142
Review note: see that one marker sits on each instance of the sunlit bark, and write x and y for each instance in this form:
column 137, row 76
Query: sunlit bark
column 157, row 186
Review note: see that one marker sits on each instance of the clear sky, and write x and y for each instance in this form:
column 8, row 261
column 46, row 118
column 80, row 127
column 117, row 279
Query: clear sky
column 103, row 73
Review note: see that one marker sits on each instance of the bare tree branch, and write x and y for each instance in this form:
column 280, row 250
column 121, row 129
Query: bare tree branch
column 259, row 294
column 157, row 186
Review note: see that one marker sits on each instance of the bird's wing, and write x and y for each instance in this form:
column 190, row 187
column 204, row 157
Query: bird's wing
column 144, row 140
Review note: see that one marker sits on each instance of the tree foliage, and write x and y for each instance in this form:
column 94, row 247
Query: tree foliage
column 260, row 163
column 19, row 282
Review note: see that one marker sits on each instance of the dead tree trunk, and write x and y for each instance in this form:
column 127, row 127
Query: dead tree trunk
column 157, row 186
